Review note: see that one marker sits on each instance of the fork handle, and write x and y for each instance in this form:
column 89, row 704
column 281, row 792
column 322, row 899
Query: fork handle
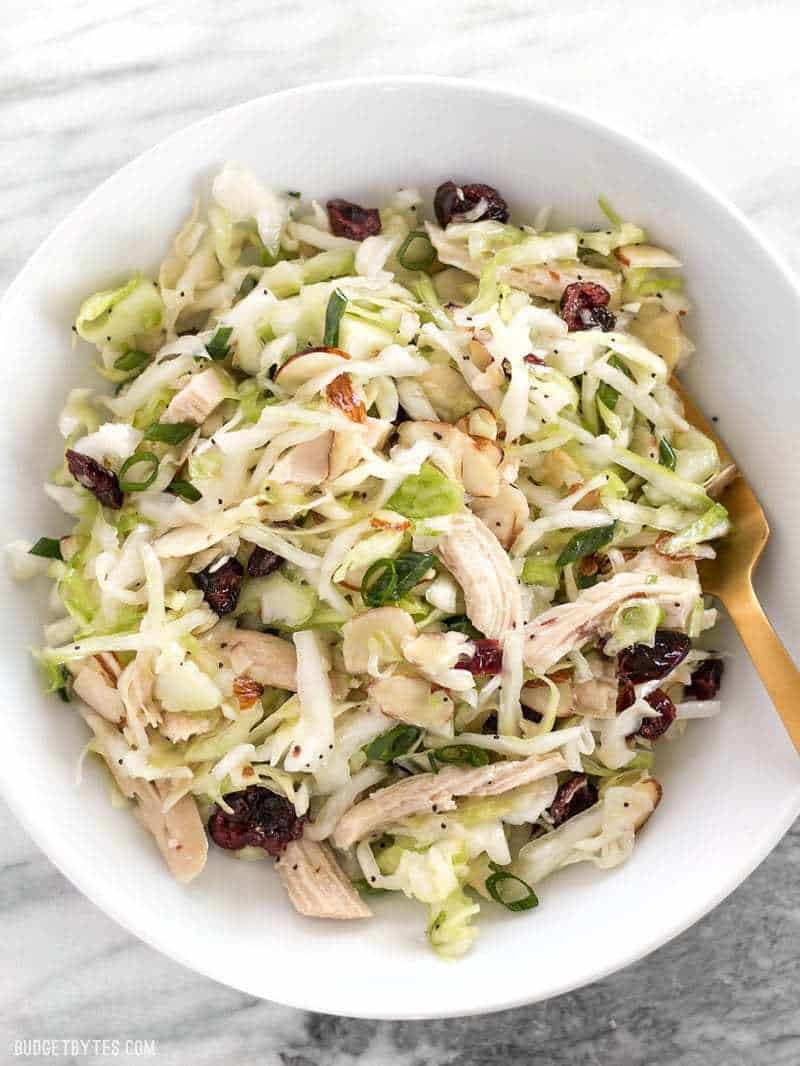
column 772, row 661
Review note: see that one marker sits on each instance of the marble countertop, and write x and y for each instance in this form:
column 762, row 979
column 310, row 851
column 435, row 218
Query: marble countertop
column 86, row 86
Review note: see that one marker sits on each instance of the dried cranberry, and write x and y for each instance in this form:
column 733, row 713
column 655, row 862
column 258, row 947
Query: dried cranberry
column 583, row 306
column 353, row 221
column 653, row 728
column 706, row 679
column 625, row 695
column 573, row 796
column 452, row 202
column 221, row 584
column 486, row 659
column 262, row 562
column 640, row 663
column 94, row 477
column 259, row 819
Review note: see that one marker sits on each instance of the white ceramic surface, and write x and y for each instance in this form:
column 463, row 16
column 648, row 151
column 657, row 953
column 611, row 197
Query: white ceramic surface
column 732, row 785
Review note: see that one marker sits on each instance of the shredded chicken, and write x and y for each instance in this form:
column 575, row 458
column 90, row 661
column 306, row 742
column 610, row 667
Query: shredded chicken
column 196, row 401
column 437, row 792
column 180, row 727
column 179, row 832
column 560, row 630
column 92, row 685
column 304, row 464
column 482, row 569
column 316, row 885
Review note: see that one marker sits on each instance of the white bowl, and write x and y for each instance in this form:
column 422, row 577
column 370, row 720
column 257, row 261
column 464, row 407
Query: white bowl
column 731, row 785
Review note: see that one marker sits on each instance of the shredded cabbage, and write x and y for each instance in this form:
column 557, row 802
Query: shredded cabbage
column 373, row 514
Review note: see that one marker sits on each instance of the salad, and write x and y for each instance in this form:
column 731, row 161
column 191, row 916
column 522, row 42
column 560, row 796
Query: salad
column 382, row 558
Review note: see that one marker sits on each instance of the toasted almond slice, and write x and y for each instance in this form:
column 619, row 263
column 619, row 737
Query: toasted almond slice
column 300, row 368
column 267, row 660
column 411, row 700
column 340, row 395
column 387, row 626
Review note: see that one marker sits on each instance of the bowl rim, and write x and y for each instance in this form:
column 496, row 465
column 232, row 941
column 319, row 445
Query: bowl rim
column 48, row 841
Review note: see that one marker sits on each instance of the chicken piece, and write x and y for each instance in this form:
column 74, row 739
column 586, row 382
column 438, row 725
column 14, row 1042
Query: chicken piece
column 304, row 464
column 547, row 281
column 504, row 514
column 349, row 446
column 316, row 885
column 93, row 686
column 179, row 727
column 383, row 627
column 561, row 629
column 474, row 460
column 266, row 659
column 437, row 793
column 482, row 569
column 411, row 700
column 179, row 832
column 196, row 401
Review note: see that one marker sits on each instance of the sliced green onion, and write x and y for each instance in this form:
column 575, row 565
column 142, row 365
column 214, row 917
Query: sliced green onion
column 411, row 569
column 133, row 361
column 459, row 623
column 512, row 886
column 587, row 542
column 423, row 257
column 138, row 458
column 169, row 432
column 587, row 581
column 47, row 548
column 333, row 316
column 362, row 884
column 458, row 754
column 245, row 289
column 609, row 211
column 218, row 346
column 185, row 490
column 606, row 393
column 398, row 741
column 666, row 454
column 379, row 584
column 388, row 580
column 541, row 570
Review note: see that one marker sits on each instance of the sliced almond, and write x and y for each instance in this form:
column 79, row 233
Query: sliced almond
column 340, row 395
column 302, row 367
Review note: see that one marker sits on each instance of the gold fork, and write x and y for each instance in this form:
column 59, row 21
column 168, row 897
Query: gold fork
column 729, row 577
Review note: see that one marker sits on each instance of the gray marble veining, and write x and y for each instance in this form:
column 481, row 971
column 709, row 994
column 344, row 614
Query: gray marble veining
column 85, row 86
